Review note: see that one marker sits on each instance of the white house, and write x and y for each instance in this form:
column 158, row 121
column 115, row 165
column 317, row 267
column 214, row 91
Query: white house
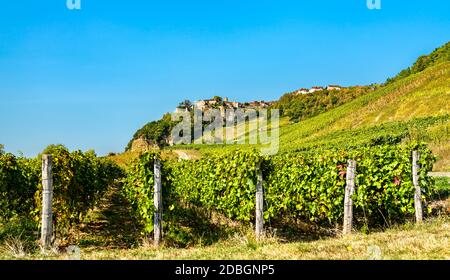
column 302, row 91
column 314, row 89
column 334, row 87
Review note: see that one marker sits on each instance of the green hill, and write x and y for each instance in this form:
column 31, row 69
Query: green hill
column 439, row 55
column 155, row 132
column 414, row 105
column 299, row 107
column 413, row 108
column 417, row 97
column 409, row 107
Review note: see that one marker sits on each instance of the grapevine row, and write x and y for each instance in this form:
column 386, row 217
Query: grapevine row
column 306, row 186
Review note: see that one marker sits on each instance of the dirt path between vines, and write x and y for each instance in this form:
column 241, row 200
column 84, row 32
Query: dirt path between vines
column 110, row 225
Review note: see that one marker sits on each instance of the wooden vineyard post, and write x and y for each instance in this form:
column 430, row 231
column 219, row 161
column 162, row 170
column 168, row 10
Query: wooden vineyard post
column 157, row 203
column 47, row 195
column 259, row 205
column 348, row 202
column 418, row 192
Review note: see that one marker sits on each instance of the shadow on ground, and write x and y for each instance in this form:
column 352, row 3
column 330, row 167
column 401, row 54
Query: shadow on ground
column 111, row 224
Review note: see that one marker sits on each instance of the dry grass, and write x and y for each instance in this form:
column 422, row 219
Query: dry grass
column 443, row 161
column 14, row 246
column 424, row 242
column 124, row 159
column 427, row 241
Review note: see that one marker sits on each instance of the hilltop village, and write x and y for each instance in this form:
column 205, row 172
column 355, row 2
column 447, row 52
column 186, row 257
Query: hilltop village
column 222, row 104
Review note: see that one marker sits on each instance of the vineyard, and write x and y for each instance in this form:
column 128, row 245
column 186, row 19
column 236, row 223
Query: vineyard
column 215, row 192
column 299, row 186
column 413, row 109
column 79, row 181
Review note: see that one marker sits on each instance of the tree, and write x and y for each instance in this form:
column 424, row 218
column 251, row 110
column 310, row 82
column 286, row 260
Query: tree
column 185, row 104
column 53, row 148
column 441, row 54
column 1, row 149
column 421, row 64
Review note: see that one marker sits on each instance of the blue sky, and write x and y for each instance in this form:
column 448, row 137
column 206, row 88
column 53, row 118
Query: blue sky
column 90, row 78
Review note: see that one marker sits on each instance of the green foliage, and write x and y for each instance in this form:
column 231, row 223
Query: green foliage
column 311, row 185
column 18, row 183
column 186, row 104
column 441, row 189
column 22, row 228
column 224, row 184
column 372, row 125
column 138, row 188
column 79, row 181
column 217, row 98
column 387, row 133
column 301, row 106
column 385, row 191
column 185, row 220
column 358, row 120
column 307, row 186
column 156, row 132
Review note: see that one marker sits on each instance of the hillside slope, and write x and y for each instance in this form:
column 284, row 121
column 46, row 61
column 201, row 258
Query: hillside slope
column 422, row 95
column 303, row 106
column 414, row 108
column 414, row 105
